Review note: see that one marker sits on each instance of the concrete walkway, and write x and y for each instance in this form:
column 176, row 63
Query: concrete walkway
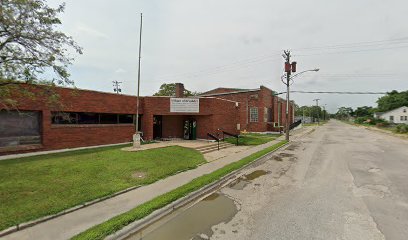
column 69, row 225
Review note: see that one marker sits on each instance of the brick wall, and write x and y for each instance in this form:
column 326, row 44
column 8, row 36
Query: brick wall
column 217, row 112
column 56, row 136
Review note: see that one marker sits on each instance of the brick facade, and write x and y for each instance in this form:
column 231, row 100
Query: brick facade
column 220, row 109
column 263, row 99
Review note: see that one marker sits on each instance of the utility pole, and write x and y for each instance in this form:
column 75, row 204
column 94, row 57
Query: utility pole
column 116, row 87
column 317, row 105
column 289, row 68
column 136, row 136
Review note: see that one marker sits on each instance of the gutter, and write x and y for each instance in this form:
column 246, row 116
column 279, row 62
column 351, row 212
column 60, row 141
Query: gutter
column 194, row 196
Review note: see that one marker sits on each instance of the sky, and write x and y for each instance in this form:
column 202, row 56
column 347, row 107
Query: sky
column 358, row 45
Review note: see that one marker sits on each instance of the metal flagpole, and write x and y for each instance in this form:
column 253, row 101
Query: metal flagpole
column 136, row 136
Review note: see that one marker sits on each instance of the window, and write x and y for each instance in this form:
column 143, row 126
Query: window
column 404, row 110
column 126, row 118
column 91, row 118
column 391, row 118
column 64, row 118
column 106, row 118
column 406, row 118
column 88, row 118
column 253, row 114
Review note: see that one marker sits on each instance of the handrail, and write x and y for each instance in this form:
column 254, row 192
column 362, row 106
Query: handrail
column 230, row 134
column 215, row 138
column 295, row 124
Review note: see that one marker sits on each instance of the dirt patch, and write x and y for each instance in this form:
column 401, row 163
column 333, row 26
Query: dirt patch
column 286, row 154
column 292, row 147
column 277, row 158
column 139, row 175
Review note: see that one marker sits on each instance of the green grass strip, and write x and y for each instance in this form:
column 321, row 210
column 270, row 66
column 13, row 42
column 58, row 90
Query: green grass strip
column 116, row 223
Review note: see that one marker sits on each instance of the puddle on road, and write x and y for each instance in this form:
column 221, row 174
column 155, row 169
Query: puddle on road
column 238, row 184
column 193, row 223
column 255, row 174
column 241, row 182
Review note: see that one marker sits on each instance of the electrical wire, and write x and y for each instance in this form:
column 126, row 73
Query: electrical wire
column 328, row 92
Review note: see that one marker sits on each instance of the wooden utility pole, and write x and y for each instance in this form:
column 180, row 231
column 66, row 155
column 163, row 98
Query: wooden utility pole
column 288, row 71
column 317, row 109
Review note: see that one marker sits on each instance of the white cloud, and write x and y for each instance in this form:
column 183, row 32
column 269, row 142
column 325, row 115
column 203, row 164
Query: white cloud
column 184, row 36
column 91, row 32
column 120, row 70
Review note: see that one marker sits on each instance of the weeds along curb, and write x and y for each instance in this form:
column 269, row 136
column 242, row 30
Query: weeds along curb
column 151, row 217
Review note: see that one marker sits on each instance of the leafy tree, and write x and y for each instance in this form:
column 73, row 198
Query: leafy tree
column 392, row 101
column 363, row 111
column 31, row 47
column 169, row 89
column 344, row 113
column 311, row 111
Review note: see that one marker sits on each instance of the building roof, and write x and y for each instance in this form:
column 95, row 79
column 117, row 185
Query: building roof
column 381, row 113
column 224, row 91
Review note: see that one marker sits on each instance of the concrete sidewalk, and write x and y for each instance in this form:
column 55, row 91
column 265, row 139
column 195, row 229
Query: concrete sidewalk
column 69, row 225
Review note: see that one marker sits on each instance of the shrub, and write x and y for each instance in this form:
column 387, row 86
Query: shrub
column 402, row 128
column 360, row 120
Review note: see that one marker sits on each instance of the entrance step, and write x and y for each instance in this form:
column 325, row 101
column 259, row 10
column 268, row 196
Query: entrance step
column 213, row 147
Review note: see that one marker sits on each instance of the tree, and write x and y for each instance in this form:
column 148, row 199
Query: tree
column 363, row 111
column 392, row 101
column 169, row 89
column 344, row 113
column 31, row 49
column 314, row 112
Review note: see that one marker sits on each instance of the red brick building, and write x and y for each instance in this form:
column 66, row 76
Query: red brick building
column 89, row 118
column 261, row 109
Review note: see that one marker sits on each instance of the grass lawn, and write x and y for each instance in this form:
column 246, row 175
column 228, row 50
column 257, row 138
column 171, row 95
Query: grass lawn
column 114, row 224
column 251, row 139
column 37, row 186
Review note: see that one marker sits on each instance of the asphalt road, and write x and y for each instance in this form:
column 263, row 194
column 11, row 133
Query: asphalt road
column 338, row 182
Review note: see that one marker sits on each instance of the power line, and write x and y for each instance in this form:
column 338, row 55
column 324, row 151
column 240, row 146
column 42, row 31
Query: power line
column 271, row 57
column 329, row 92
column 357, row 44
column 220, row 69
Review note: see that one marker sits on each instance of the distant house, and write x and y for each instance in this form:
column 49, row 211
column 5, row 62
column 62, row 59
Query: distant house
column 398, row 115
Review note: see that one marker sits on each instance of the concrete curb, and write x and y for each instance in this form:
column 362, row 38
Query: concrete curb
column 194, row 196
column 24, row 225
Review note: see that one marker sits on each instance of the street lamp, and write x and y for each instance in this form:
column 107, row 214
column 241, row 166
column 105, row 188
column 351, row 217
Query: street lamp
column 289, row 68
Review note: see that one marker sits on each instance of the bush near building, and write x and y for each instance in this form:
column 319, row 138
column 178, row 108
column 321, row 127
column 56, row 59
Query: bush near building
column 372, row 121
column 402, row 128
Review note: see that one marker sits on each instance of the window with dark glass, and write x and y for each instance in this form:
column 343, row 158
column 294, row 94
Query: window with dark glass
column 64, row 118
column 88, row 118
column 91, row 118
column 126, row 118
column 106, row 118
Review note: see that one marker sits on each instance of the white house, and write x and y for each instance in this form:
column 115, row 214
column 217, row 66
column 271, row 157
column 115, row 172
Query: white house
column 398, row 115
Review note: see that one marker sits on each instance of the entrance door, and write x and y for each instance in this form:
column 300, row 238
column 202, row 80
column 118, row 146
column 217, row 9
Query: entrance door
column 190, row 129
column 157, row 126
